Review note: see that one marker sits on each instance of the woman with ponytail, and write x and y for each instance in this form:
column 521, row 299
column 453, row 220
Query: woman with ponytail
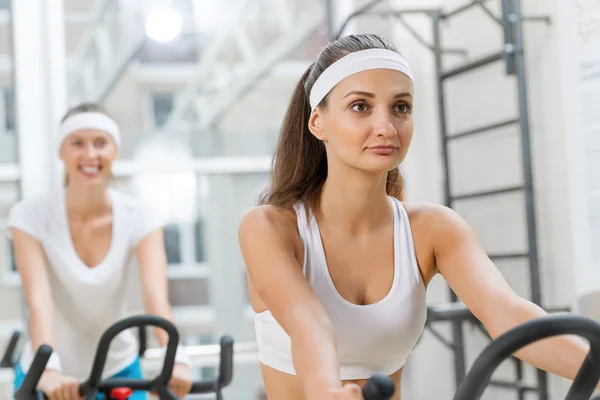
column 338, row 263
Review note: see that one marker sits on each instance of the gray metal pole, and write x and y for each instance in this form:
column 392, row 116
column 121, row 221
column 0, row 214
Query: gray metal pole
column 457, row 333
column 519, row 58
column 330, row 19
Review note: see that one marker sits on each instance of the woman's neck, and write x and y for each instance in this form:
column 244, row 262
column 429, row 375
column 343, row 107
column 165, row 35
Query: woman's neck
column 354, row 201
column 84, row 202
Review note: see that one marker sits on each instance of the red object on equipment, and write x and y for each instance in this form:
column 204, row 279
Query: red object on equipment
column 120, row 393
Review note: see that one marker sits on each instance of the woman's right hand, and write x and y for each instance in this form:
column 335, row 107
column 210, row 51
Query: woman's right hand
column 350, row 391
column 57, row 386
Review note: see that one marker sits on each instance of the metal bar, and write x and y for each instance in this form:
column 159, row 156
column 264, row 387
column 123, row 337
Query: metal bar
column 490, row 14
column 519, row 372
column 205, row 350
column 462, row 52
column 508, row 256
column 10, row 172
column 439, row 337
column 527, row 174
column 457, row 332
column 413, row 31
column 122, row 65
column 540, row 18
column 475, row 64
column 509, row 42
column 504, row 384
column 487, row 193
column 526, row 156
column 362, row 10
column 461, row 9
column 448, row 312
column 329, row 19
column 399, row 12
column 510, row 385
column 399, row 16
column 205, row 166
column 483, row 129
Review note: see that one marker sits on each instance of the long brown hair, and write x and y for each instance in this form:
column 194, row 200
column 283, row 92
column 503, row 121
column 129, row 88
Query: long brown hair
column 78, row 109
column 299, row 165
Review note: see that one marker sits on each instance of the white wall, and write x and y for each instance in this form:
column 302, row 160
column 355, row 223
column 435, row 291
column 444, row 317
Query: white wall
column 489, row 161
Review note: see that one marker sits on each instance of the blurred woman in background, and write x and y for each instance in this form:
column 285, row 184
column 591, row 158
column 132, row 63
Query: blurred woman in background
column 72, row 250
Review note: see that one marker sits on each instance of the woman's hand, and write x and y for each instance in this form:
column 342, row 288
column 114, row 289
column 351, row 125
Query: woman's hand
column 350, row 391
column 181, row 380
column 58, row 386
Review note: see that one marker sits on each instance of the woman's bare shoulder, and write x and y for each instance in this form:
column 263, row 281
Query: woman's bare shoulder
column 419, row 212
column 268, row 221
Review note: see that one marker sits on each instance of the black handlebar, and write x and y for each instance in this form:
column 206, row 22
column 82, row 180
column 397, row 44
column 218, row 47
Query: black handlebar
column 28, row 391
column 503, row 347
column 379, row 387
column 8, row 360
column 159, row 385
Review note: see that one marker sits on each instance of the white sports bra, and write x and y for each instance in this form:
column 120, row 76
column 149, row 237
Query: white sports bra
column 373, row 338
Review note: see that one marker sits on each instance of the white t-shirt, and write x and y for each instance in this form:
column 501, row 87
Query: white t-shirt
column 86, row 300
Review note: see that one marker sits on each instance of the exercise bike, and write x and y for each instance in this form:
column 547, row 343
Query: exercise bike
column 379, row 387
column 504, row 346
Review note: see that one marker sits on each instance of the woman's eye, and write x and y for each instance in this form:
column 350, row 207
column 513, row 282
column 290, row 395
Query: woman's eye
column 360, row 106
column 403, row 108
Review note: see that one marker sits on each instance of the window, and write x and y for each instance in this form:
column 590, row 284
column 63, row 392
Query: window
column 6, row 111
column 161, row 107
column 173, row 243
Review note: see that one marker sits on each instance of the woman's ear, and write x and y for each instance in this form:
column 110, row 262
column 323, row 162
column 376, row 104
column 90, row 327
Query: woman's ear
column 315, row 125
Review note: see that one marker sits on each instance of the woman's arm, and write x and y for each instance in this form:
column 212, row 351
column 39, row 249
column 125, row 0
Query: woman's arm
column 31, row 265
column 478, row 283
column 152, row 260
column 266, row 239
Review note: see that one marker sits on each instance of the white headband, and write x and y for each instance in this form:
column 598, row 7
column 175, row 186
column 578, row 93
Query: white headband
column 89, row 120
column 351, row 64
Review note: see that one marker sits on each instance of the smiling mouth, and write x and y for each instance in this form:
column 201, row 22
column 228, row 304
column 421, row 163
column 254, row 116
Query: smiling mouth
column 90, row 170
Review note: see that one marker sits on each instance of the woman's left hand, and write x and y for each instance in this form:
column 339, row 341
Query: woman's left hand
column 181, row 380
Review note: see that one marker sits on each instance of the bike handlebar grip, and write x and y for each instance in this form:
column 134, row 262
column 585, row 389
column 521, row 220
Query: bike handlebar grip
column 504, row 346
column 27, row 391
column 9, row 354
column 225, row 375
column 226, row 361
column 378, row 387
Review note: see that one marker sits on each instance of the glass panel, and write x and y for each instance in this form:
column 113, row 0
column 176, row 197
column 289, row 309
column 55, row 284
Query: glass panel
column 9, row 195
column 8, row 137
column 220, row 203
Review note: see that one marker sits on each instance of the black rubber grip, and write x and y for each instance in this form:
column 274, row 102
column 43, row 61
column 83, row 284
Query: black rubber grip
column 27, row 391
column 379, row 387
column 9, row 354
column 225, row 374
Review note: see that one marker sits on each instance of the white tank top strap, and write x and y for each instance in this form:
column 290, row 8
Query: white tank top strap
column 405, row 240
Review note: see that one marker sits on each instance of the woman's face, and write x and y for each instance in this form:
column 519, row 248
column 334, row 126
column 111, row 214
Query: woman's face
column 88, row 155
column 368, row 122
